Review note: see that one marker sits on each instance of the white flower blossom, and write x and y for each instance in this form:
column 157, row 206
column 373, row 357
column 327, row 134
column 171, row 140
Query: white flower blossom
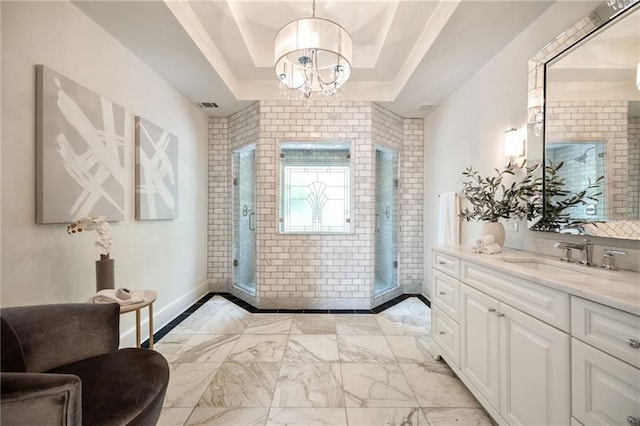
column 98, row 224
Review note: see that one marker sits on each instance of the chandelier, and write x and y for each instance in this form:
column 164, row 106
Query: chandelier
column 312, row 55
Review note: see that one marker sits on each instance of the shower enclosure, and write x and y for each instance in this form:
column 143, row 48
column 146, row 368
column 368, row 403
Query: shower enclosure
column 386, row 221
column 244, row 219
column 583, row 163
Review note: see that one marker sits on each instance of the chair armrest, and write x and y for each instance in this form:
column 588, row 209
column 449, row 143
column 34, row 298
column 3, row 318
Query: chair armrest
column 50, row 336
column 40, row 399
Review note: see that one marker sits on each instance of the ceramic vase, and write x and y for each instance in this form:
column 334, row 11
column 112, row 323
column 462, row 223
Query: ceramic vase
column 105, row 273
column 496, row 229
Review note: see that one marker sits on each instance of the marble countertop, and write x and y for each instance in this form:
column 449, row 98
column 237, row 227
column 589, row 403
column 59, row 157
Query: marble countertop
column 618, row 289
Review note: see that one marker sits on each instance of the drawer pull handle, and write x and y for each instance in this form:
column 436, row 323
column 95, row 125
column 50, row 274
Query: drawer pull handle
column 442, row 332
column 441, row 262
column 499, row 314
column 633, row 343
column 633, row 421
column 491, row 310
column 441, row 293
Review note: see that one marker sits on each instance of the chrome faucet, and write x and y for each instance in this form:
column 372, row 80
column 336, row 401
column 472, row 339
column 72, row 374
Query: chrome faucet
column 586, row 252
column 608, row 261
column 567, row 250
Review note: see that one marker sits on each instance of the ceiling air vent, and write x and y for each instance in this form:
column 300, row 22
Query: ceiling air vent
column 426, row 107
column 208, row 105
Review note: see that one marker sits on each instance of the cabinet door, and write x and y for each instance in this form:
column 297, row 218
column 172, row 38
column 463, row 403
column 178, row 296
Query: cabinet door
column 535, row 371
column 480, row 342
column 605, row 390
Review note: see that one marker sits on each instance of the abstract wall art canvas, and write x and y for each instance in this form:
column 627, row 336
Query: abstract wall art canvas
column 156, row 172
column 80, row 146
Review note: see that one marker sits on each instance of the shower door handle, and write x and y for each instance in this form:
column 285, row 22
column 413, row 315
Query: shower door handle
column 377, row 222
column 251, row 215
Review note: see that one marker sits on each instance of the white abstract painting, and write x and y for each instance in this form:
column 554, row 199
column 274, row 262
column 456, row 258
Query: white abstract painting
column 80, row 143
column 156, row 172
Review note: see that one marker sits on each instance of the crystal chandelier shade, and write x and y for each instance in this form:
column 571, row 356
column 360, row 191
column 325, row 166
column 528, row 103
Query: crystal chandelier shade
column 312, row 55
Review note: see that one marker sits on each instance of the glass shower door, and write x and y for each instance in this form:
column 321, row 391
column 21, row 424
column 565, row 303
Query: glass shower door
column 386, row 252
column 244, row 219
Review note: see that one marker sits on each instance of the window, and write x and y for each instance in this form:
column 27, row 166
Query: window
column 315, row 188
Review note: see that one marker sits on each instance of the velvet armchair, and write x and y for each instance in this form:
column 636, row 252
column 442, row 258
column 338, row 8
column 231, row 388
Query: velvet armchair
column 61, row 366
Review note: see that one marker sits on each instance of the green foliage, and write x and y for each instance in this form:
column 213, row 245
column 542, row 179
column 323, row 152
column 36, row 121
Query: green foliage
column 558, row 198
column 492, row 200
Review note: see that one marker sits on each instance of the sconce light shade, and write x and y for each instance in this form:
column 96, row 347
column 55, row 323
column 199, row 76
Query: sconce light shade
column 513, row 144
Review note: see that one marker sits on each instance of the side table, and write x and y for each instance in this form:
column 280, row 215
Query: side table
column 148, row 296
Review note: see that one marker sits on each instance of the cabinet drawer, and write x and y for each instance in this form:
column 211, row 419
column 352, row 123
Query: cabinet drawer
column 614, row 331
column 605, row 390
column 446, row 290
column 446, row 333
column 446, row 263
column 544, row 303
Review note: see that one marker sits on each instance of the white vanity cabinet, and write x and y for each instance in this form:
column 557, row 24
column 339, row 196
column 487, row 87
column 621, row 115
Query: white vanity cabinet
column 540, row 347
column 513, row 340
column 605, row 361
column 446, row 305
column 517, row 362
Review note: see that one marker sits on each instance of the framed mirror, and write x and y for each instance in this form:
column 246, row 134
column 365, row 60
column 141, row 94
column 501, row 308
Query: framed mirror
column 584, row 124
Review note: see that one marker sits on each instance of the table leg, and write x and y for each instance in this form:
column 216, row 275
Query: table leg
column 150, row 325
column 138, row 328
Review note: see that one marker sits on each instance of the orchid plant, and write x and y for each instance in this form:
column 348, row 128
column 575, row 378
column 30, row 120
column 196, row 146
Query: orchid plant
column 102, row 228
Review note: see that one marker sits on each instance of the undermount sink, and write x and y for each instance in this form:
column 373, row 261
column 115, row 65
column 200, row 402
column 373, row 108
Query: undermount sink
column 544, row 266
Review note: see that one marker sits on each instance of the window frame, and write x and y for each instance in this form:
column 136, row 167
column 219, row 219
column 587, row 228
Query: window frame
column 314, row 145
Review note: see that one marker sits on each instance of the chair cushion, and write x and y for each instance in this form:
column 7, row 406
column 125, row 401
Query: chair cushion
column 12, row 358
column 126, row 387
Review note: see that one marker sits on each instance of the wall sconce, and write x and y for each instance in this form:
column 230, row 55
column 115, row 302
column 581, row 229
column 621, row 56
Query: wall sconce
column 513, row 147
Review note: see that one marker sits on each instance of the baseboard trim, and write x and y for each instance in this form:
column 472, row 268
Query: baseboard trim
column 163, row 316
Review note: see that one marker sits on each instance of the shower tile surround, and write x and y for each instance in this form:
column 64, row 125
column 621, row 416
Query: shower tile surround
column 277, row 370
column 607, row 122
column 316, row 270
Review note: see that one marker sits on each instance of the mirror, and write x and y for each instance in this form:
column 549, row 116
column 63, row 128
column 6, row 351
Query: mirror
column 584, row 120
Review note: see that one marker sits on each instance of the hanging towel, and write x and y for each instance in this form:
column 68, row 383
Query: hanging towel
column 448, row 220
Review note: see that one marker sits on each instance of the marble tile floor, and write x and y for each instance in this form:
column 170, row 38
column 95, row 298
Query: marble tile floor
column 236, row 368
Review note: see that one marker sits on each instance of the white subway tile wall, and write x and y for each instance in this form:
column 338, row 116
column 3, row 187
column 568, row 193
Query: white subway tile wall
column 315, row 271
column 593, row 121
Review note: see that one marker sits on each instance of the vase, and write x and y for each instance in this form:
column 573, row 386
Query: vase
column 496, row 229
column 105, row 278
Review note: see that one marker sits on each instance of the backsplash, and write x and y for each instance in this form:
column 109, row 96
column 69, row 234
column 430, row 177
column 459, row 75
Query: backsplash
column 542, row 243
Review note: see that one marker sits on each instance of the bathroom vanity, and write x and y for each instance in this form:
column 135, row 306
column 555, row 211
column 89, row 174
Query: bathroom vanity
column 536, row 340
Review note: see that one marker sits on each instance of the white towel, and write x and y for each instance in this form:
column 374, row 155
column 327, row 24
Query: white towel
column 481, row 242
column 491, row 248
column 448, row 220
column 488, row 249
column 485, row 241
column 109, row 296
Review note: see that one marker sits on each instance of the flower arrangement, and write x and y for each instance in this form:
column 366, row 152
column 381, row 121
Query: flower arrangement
column 102, row 228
